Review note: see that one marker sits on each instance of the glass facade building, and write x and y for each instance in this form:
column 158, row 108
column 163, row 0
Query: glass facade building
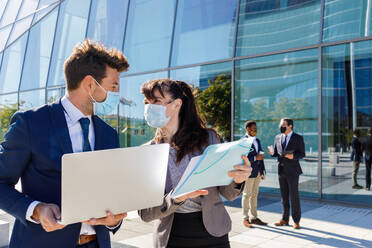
column 309, row 60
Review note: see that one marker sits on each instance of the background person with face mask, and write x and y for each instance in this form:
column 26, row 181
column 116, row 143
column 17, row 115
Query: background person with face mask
column 36, row 141
column 250, row 193
column 198, row 219
column 289, row 147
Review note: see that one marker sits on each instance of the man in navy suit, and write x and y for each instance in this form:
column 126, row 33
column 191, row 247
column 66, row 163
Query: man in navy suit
column 37, row 139
column 250, row 193
column 289, row 148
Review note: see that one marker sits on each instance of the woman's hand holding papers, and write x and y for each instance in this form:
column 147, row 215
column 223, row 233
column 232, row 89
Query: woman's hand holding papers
column 110, row 220
column 193, row 194
column 241, row 172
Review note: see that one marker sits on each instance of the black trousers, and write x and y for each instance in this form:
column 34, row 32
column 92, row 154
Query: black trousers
column 368, row 173
column 289, row 193
column 188, row 231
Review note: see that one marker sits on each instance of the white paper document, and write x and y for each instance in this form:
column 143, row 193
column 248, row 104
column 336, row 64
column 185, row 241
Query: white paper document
column 211, row 168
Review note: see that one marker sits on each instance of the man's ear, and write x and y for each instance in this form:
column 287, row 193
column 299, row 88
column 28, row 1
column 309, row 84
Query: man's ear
column 88, row 84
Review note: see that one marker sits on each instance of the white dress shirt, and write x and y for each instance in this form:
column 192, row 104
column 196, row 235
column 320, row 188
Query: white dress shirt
column 288, row 138
column 73, row 115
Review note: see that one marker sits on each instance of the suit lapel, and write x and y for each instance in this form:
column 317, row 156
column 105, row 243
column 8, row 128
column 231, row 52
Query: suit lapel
column 99, row 138
column 279, row 145
column 59, row 123
column 290, row 141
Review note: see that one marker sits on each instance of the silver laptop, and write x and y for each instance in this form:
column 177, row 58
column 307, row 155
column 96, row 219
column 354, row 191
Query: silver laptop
column 119, row 180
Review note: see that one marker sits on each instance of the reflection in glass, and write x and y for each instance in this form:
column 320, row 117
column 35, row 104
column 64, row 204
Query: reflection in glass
column 274, row 25
column 212, row 85
column 19, row 28
column 107, row 22
column 71, row 28
column 207, row 28
column 55, row 94
column 270, row 88
column 10, row 13
column 148, row 34
column 4, row 34
column 12, row 65
column 2, row 6
column 28, row 7
column 8, row 106
column 344, row 19
column 31, row 99
column 38, row 53
column 133, row 129
column 347, row 92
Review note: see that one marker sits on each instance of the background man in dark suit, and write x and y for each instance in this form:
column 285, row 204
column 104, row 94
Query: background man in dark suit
column 356, row 157
column 367, row 147
column 289, row 147
column 250, row 192
column 37, row 139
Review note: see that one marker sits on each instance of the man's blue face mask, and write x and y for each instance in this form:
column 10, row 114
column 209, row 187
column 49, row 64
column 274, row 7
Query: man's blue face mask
column 109, row 105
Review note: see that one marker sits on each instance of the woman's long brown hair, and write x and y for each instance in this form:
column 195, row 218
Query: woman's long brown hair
column 192, row 134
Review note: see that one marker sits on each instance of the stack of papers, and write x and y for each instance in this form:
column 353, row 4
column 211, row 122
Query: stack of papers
column 211, row 168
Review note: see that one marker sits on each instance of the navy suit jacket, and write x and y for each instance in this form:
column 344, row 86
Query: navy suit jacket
column 32, row 151
column 357, row 150
column 257, row 165
column 290, row 167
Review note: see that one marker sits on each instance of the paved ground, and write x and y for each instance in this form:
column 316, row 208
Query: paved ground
column 323, row 225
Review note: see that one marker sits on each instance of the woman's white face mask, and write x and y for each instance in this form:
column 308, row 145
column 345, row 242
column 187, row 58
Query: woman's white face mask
column 156, row 115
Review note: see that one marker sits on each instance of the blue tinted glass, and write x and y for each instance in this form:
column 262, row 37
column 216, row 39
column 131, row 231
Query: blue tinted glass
column 107, row 22
column 4, row 35
column 346, row 106
column 2, row 7
column 212, row 90
column 12, row 65
column 28, row 7
column 38, row 53
column 205, row 31
column 71, row 29
column 133, row 129
column 31, row 99
column 273, row 87
column 148, row 35
column 344, row 19
column 274, row 25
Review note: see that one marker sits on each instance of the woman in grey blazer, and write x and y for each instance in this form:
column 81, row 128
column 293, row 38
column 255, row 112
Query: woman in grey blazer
column 198, row 219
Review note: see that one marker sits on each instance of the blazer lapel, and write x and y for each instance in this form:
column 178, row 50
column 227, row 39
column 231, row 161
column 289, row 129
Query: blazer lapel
column 279, row 145
column 59, row 123
column 99, row 138
column 290, row 141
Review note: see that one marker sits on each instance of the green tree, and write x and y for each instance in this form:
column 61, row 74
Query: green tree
column 6, row 112
column 214, row 104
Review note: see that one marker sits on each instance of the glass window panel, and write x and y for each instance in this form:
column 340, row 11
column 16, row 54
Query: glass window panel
column 43, row 11
column 31, row 99
column 274, row 25
column 346, row 106
column 8, row 106
column 12, row 65
column 133, row 129
column 20, row 27
column 107, row 22
column 28, row 7
column 345, row 19
column 4, row 34
column 71, row 28
column 10, row 13
column 207, row 28
column 38, row 52
column 55, row 94
column 272, row 87
column 212, row 84
column 147, row 40
column 2, row 7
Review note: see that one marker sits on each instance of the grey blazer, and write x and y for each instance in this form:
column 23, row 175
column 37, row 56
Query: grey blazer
column 215, row 217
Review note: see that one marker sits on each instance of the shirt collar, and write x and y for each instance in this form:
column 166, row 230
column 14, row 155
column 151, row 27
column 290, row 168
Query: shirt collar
column 288, row 135
column 73, row 113
column 248, row 136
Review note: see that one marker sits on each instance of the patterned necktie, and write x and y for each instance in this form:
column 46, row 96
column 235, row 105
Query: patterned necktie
column 84, row 123
column 284, row 144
